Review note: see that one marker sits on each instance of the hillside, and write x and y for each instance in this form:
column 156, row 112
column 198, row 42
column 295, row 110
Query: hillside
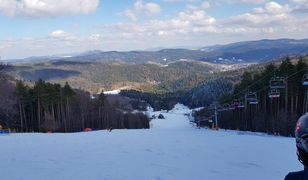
column 96, row 76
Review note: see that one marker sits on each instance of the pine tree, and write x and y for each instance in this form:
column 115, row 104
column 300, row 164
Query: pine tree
column 21, row 94
column 67, row 94
column 38, row 91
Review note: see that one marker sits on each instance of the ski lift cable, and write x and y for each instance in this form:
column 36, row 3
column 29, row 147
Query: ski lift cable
column 287, row 78
column 259, row 90
column 267, row 76
column 274, row 72
column 253, row 84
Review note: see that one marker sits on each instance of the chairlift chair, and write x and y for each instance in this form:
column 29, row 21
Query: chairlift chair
column 212, row 106
column 277, row 83
column 274, row 93
column 235, row 103
column 254, row 102
column 231, row 107
column 220, row 108
column 226, row 106
column 305, row 80
column 251, row 96
column 241, row 105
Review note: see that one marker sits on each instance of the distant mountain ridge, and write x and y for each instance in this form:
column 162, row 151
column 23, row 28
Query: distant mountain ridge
column 240, row 52
column 257, row 51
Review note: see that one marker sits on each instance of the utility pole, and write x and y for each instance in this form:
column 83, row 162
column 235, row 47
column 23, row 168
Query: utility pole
column 305, row 101
column 216, row 119
column 286, row 97
column 306, row 105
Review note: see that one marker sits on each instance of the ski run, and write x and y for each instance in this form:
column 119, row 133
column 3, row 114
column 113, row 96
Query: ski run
column 173, row 149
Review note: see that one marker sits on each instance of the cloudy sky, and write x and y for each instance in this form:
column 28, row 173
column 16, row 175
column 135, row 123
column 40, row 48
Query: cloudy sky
column 46, row 27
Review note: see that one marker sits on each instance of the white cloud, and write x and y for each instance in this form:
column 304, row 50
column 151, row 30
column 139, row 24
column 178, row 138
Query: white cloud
column 275, row 8
column 300, row 1
column 60, row 34
column 272, row 14
column 8, row 7
column 57, row 42
column 141, row 8
column 271, row 20
column 222, row 2
column 192, row 26
column 186, row 21
column 147, row 8
column 301, row 6
column 95, row 37
column 173, row 1
column 205, row 5
column 130, row 14
column 46, row 8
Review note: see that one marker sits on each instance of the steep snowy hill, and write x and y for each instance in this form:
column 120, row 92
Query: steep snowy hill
column 171, row 149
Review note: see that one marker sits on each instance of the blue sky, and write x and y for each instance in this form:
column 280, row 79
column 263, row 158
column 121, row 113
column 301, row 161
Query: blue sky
column 46, row 27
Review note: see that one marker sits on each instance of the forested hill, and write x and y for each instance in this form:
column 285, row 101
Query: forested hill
column 97, row 76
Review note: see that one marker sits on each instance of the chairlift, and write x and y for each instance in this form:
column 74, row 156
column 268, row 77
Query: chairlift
column 220, row 108
column 274, row 93
column 231, row 107
column 241, row 105
column 226, row 106
column 305, row 80
column 254, row 102
column 277, row 83
column 212, row 106
column 235, row 103
column 251, row 96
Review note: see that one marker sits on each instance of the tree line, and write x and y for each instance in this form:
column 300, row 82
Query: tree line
column 48, row 107
column 271, row 115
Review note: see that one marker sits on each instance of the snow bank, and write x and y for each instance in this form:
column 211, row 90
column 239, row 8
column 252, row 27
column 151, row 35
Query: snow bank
column 173, row 149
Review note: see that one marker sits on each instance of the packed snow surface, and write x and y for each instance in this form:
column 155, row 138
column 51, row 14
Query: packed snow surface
column 172, row 149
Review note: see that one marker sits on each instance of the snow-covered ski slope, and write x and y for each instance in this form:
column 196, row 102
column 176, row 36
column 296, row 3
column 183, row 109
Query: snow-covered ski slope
column 172, row 150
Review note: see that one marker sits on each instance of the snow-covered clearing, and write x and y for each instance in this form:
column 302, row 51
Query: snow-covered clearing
column 173, row 149
column 113, row 92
